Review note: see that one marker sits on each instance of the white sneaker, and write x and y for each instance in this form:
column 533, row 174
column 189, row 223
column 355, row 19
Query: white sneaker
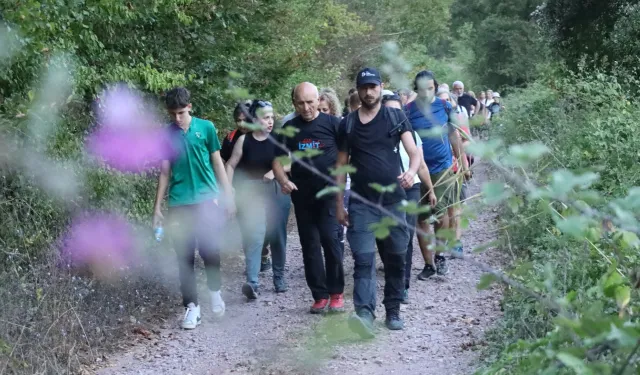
column 191, row 317
column 217, row 304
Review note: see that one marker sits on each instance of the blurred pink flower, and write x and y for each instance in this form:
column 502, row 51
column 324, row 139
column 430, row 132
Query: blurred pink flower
column 104, row 242
column 129, row 137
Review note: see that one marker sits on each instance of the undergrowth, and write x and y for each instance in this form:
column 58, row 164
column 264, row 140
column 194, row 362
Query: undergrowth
column 582, row 265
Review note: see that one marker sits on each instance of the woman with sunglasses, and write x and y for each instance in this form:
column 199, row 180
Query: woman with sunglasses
column 256, row 195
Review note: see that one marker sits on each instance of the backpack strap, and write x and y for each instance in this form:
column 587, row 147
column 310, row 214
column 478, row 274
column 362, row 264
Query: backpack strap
column 446, row 108
column 395, row 121
column 349, row 127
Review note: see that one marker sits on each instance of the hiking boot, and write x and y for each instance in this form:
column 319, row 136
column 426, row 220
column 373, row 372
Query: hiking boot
column 191, row 316
column 280, row 284
column 336, row 304
column 427, row 272
column 393, row 320
column 320, row 306
column 457, row 252
column 265, row 264
column 441, row 265
column 217, row 304
column 250, row 291
column 405, row 297
column 361, row 322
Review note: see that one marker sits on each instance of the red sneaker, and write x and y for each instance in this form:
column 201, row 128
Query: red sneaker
column 337, row 303
column 320, row 306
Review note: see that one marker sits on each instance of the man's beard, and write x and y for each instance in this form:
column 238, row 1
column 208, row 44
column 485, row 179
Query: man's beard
column 370, row 106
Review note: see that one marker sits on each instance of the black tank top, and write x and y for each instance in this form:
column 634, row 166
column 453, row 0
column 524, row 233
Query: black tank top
column 257, row 157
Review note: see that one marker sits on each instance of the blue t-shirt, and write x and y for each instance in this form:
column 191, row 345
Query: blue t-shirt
column 436, row 149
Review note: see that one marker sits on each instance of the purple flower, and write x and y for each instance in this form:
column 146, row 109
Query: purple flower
column 103, row 242
column 129, row 137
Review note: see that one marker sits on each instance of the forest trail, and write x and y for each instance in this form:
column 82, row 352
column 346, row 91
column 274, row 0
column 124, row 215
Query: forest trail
column 445, row 323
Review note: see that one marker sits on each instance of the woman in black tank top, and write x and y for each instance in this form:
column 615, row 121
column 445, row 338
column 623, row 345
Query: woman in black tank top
column 256, row 195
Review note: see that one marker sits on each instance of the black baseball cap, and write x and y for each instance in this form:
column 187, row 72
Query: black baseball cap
column 368, row 76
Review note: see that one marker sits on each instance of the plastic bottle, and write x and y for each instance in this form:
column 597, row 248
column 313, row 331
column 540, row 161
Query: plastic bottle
column 159, row 233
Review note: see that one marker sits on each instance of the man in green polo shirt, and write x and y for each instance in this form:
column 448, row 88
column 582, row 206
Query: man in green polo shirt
column 195, row 217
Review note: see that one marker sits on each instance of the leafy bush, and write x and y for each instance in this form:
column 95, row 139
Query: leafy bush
column 573, row 236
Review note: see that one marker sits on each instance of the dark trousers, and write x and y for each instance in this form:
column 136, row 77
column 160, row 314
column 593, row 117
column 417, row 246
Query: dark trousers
column 319, row 230
column 196, row 226
column 392, row 249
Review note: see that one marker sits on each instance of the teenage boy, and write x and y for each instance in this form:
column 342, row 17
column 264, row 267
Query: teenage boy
column 195, row 215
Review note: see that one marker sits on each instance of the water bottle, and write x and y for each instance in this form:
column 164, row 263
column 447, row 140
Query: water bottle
column 159, row 234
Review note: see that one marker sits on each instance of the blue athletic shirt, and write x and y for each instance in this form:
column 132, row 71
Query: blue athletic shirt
column 437, row 150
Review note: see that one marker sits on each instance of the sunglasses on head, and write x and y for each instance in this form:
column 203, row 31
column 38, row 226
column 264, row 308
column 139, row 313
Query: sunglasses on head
column 263, row 104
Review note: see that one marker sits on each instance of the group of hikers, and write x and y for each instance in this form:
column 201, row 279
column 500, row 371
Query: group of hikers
column 403, row 146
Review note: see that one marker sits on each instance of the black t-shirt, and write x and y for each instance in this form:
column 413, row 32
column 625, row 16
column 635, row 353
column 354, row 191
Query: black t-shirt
column 321, row 133
column 257, row 158
column 228, row 144
column 467, row 101
column 375, row 154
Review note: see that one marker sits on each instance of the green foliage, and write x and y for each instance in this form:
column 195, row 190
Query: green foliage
column 599, row 33
column 382, row 229
column 501, row 36
column 158, row 44
column 404, row 22
column 573, row 233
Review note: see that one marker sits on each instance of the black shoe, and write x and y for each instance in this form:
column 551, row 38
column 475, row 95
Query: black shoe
column 427, row 272
column 441, row 265
column 362, row 323
column 405, row 297
column 393, row 320
column 265, row 265
column 280, row 284
column 250, row 291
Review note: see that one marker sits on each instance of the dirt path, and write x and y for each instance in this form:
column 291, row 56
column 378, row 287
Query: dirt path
column 444, row 325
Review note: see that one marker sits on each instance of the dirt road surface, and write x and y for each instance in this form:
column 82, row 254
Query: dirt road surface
column 444, row 330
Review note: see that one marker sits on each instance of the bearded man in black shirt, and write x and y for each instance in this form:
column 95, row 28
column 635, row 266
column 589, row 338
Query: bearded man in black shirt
column 371, row 137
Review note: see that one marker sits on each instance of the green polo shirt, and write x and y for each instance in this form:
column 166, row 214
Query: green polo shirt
column 192, row 178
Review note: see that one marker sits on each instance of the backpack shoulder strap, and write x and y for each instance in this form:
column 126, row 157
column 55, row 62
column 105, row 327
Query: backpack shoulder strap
column 393, row 115
column 349, row 127
column 394, row 120
column 446, row 108
column 350, row 121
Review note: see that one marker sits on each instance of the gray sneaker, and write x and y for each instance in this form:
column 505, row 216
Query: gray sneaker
column 441, row 265
column 405, row 297
column 265, row 264
column 362, row 324
column 427, row 272
column 393, row 320
column 280, row 284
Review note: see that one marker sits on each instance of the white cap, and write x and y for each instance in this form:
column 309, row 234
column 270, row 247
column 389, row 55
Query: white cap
column 387, row 92
column 496, row 95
